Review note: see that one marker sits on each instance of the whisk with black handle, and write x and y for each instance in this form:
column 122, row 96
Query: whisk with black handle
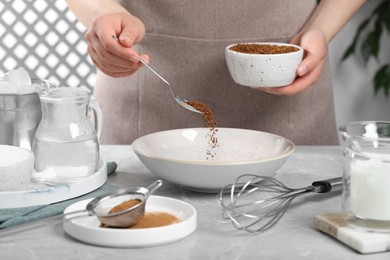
column 256, row 203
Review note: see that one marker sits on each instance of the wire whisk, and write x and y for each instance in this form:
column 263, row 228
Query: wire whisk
column 256, row 203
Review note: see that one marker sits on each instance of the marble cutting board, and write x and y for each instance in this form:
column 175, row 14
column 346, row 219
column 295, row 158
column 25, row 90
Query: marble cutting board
column 334, row 225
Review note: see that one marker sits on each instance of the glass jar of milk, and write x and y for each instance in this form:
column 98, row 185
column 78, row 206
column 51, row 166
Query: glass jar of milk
column 366, row 177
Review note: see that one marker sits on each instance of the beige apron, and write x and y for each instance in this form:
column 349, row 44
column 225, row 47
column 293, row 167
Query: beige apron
column 185, row 41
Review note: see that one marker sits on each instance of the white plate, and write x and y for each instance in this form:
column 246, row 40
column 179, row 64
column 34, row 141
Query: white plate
column 87, row 229
column 180, row 156
column 40, row 194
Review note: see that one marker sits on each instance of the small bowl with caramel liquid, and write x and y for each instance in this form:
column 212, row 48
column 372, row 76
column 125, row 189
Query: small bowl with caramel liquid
column 263, row 64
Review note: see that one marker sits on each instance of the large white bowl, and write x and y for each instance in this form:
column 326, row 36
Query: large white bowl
column 180, row 156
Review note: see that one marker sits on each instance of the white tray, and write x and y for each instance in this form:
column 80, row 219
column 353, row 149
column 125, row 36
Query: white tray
column 40, row 194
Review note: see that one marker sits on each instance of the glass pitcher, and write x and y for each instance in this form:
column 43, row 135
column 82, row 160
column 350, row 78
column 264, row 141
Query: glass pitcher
column 66, row 143
column 366, row 176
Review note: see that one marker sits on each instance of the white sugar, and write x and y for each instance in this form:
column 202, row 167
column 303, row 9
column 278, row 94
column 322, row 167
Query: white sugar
column 12, row 154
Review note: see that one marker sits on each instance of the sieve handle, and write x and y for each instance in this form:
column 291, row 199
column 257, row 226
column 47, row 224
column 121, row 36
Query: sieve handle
column 153, row 187
column 329, row 185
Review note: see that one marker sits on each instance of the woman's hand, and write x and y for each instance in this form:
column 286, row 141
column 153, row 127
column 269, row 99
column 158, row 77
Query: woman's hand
column 315, row 50
column 325, row 22
column 113, row 57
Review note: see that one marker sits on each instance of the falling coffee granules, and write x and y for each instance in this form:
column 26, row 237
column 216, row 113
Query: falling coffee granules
column 253, row 48
column 209, row 122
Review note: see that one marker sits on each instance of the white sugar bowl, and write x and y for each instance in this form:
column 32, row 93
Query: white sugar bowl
column 16, row 167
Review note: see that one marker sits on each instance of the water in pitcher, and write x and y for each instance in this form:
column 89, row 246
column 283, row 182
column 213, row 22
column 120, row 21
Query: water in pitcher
column 66, row 144
column 66, row 161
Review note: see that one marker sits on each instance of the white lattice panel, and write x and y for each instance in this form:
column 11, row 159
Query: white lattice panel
column 45, row 38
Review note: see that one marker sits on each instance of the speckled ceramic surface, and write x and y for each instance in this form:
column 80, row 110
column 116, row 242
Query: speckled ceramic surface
column 182, row 156
column 263, row 70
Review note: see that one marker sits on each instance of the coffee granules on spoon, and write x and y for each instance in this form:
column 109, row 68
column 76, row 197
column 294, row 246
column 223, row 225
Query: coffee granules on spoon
column 207, row 114
column 209, row 122
column 253, row 48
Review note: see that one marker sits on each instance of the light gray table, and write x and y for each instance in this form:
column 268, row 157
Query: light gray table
column 294, row 237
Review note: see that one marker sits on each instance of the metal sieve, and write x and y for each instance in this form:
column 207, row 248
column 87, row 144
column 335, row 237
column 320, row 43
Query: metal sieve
column 100, row 207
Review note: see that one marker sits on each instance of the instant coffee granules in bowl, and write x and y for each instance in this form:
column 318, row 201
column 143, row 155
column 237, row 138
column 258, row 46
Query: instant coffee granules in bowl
column 263, row 64
column 254, row 48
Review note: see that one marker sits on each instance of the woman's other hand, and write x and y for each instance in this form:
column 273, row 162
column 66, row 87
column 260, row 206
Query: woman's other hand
column 315, row 50
column 325, row 22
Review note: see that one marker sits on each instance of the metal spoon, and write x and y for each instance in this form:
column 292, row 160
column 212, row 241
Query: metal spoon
column 181, row 101
column 100, row 207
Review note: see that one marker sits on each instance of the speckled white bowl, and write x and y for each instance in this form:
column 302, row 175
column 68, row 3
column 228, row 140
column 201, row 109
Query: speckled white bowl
column 263, row 70
column 16, row 166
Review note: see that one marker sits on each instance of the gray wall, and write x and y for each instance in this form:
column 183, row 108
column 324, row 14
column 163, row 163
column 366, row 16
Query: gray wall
column 352, row 80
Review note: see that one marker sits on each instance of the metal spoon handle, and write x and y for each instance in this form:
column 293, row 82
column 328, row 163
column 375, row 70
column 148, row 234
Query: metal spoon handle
column 154, row 71
column 146, row 64
column 179, row 100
